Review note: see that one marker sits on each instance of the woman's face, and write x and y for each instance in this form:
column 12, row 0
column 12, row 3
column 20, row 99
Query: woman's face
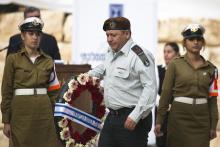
column 194, row 45
column 169, row 54
column 31, row 39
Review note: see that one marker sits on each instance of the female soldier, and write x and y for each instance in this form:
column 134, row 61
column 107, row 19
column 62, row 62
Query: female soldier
column 193, row 116
column 171, row 51
column 29, row 88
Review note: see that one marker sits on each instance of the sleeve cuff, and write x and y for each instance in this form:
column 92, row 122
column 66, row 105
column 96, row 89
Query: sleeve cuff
column 135, row 116
column 5, row 118
column 214, row 124
column 159, row 120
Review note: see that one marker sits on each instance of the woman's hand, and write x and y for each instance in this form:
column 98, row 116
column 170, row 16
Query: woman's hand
column 212, row 134
column 7, row 130
column 157, row 130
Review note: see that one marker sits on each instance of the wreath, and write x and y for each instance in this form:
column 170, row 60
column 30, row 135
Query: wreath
column 69, row 92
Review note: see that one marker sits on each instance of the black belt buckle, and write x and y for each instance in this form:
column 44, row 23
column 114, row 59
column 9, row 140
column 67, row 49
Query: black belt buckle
column 121, row 111
column 113, row 112
column 35, row 91
column 194, row 101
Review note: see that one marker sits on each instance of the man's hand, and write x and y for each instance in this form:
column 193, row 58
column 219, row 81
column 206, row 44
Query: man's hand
column 212, row 134
column 157, row 130
column 7, row 130
column 129, row 124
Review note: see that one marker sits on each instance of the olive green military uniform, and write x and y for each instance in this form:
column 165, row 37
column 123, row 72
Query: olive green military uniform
column 30, row 116
column 188, row 124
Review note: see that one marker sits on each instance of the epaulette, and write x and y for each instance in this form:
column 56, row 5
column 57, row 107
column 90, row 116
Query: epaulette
column 16, row 51
column 141, row 55
column 215, row 73
column 176, row 58
column 211, row 64
column 179, row 57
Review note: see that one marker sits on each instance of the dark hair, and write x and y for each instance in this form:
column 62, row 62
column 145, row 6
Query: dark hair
column 29, row 10
column 174, row 46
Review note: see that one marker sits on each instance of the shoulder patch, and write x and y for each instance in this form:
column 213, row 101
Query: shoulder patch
column 141, row 55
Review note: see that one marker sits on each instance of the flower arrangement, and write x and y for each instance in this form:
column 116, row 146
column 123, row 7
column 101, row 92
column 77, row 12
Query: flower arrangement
column 69, row 92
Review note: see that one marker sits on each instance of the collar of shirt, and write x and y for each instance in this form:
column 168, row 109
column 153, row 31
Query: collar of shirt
column 125, row 49
column 24, row 52
column 164, row 66
column 188, row 61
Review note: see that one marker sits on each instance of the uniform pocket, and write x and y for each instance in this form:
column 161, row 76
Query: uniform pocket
column 23, row 75
column 121, row 72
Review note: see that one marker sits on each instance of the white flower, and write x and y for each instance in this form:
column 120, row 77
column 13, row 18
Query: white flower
column 93, row 141
column 83, row 78
column 73, row 84
column 63, row 123
column 67, row 96
column 79, row 145
column 95, row 81
column 70, row 142
column 65, row 134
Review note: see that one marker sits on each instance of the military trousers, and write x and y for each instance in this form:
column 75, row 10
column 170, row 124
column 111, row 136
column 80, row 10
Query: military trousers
column 114, row 134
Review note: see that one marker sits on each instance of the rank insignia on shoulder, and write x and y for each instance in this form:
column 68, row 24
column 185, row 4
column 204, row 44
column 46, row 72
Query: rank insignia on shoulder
column 141, row 55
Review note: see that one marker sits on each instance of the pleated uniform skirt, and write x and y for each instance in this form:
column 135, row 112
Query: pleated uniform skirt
column 32, row 122
column 188, row 125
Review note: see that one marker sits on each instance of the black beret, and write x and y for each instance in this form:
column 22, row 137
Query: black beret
column 31, row 24
column 193, row 30
column 117, row 23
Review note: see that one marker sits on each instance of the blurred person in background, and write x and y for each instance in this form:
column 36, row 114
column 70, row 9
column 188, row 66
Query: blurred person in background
column 48, row 42
column 171, row 51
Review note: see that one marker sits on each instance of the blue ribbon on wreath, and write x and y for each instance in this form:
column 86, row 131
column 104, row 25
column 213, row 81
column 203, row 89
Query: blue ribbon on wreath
column 78, row 116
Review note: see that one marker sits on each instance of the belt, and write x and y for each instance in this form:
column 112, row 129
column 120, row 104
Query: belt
column 120, row 111
column 30, row 91
column 189, row 100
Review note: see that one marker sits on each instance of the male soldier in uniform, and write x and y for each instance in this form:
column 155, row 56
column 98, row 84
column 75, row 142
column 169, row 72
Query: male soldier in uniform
column 129, row 87
column 48, row 43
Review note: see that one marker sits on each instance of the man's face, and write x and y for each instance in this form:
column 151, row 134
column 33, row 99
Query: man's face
column 33, row 14
column 117, row 39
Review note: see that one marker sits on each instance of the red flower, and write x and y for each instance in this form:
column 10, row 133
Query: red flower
column 76, row 136
column 100, row 111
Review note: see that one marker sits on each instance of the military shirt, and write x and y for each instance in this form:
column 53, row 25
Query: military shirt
column 183, row 80
column 20, row 72
column 127, row 81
